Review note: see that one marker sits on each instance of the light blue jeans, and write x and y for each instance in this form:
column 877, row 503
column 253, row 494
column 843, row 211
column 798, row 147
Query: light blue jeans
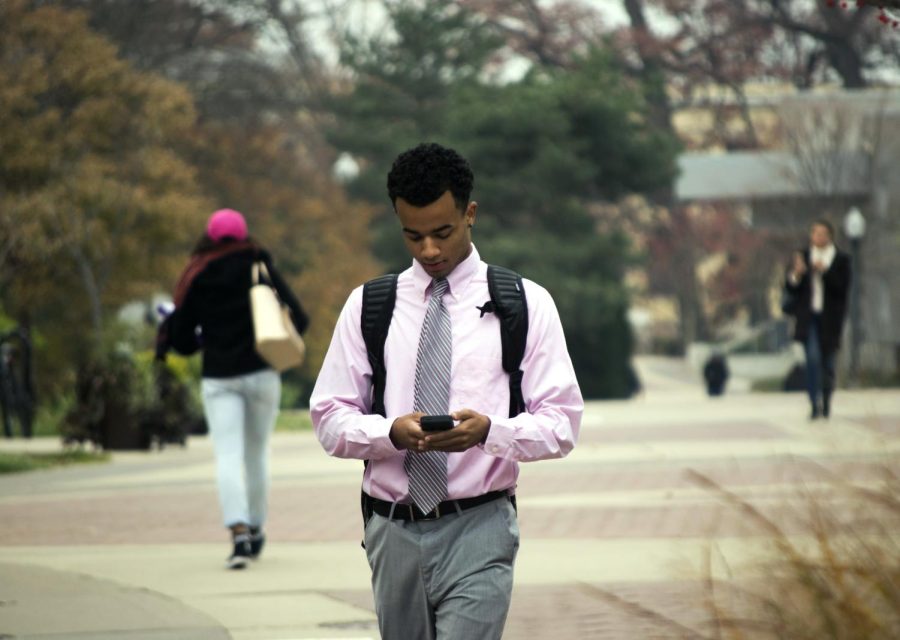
column 241, row 414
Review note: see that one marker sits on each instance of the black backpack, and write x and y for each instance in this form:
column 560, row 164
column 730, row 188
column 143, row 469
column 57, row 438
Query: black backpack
column 507, row 301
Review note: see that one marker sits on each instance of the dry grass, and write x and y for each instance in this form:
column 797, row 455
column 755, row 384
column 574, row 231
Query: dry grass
column 845, row 586
column 840, row 581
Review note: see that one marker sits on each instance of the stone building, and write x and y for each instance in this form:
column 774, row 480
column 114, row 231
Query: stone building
column 833, row 151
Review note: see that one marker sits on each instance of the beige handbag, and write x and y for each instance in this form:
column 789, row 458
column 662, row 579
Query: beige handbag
column 277, row 340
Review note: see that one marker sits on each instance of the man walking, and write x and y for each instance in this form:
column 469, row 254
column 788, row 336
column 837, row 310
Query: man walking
column 441, row 533
column 819, row 281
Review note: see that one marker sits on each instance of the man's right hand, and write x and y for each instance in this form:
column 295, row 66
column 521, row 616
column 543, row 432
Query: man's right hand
column 799, row 266
column 406, row 432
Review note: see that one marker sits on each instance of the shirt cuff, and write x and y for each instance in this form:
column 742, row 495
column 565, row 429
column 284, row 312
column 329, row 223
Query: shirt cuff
column 499, row 438
column 379, row 434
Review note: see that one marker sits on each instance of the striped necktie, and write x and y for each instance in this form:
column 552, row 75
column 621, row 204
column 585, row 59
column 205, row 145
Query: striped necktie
column 427, row 470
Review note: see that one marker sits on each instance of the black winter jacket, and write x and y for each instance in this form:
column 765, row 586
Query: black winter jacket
column 836, row 285
column 218, row 304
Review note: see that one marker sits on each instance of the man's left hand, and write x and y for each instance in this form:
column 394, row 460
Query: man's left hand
column 472, row 430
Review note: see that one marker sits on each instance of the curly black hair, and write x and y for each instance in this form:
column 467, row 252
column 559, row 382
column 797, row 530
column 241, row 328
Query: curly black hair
column 422, row 174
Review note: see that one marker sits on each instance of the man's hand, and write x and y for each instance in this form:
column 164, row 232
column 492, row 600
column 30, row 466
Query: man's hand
column 799, row 266
column 471, row 430
column 406, row 432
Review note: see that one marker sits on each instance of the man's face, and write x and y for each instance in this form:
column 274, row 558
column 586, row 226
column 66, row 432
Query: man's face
column 819, row 236
column 437, row 235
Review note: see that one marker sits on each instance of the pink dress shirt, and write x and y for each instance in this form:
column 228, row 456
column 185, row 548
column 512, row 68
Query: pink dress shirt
column 341, row 399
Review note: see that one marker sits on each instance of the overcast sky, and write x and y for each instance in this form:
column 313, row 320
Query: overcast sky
column 368, row 17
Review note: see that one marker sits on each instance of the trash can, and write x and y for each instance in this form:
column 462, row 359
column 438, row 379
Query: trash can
column 715, row 373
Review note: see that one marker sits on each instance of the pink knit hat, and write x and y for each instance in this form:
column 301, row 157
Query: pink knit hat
column 226, row 223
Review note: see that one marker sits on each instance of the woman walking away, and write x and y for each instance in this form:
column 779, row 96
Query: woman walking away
column 241, row 392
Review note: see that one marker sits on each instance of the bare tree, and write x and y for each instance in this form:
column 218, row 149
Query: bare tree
column 798, row 40
column 546, row 34
column 241, row 58
column 833, row 146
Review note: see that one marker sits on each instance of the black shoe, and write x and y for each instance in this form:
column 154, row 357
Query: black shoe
column 814, row 414
column 826, row 407
column 257, row 541
column 241, row 554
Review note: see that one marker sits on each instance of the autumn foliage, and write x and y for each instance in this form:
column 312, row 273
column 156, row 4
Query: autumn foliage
column 91, row 181
column 108, row 173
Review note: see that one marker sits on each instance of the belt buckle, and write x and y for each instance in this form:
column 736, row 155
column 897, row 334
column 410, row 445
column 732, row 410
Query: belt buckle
column 434, row 514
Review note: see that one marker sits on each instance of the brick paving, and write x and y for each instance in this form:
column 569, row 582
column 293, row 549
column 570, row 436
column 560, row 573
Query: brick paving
column 581, row 611
column 627, row 482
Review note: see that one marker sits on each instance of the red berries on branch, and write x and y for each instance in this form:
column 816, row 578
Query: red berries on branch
column 888, row 10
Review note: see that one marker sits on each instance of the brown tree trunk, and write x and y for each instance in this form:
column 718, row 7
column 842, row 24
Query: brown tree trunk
column 91, row 289
column 692, row 321
column 844, row 59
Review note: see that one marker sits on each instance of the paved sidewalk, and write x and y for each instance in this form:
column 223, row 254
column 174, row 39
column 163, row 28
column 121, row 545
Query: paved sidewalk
column 134, row 550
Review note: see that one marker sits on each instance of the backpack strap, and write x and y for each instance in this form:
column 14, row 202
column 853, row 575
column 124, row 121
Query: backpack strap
column 511, row 307
column 379, row 296
column 509, row 302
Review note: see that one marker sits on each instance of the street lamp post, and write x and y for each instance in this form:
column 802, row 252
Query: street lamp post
column 345, row 168
column 855, row 227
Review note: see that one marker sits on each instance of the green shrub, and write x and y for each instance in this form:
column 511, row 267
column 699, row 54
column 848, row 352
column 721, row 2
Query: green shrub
column 127, row 400
column 50, row 416
column 767, row 384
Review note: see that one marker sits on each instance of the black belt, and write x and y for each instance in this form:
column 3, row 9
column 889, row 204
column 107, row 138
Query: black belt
column 412, row 513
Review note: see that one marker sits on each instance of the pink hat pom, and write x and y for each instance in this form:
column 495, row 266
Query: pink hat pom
column 226, row 223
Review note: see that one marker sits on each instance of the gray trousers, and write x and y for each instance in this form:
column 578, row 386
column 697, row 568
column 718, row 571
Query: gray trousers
column 445, row 579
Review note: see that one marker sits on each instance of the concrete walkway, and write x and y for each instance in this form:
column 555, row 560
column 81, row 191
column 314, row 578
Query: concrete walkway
column 133, row 549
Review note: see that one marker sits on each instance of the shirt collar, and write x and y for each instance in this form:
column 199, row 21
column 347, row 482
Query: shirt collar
column 458, row 279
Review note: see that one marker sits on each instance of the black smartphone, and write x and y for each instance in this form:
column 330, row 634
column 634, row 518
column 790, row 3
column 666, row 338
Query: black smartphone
column 436, row 423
